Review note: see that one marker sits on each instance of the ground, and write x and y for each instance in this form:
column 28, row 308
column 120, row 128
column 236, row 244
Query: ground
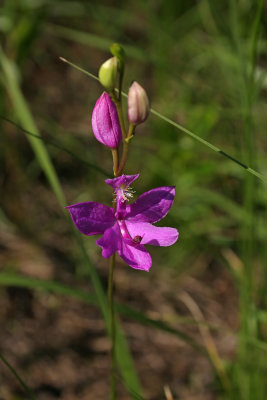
column 59, row 344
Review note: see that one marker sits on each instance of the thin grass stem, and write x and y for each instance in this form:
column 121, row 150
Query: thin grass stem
column 19, row 379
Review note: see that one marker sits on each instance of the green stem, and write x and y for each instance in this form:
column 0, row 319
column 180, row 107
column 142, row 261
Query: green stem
column 125, row 149
column 112, row 329
column 124, row 156
column 131, row 132
column 115, row 156
column 121, row 118
column 120, row 82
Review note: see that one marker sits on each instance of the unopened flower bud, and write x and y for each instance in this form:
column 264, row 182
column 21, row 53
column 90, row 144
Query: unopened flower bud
column 105, row 122
column 138, row 104
column 107, row 73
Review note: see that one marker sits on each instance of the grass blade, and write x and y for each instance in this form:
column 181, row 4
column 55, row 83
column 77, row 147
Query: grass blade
column 16, row 375
column 24, row 115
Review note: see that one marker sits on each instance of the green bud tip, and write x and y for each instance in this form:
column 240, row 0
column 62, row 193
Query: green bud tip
column 117, row 51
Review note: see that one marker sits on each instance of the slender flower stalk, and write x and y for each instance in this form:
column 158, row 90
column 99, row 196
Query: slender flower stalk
column 131, row 132
column 112, row 328
column 125, row 149
column 119, row 53
column 115, row 156
column 118, row 104
column 125, row 135
column 113, row 395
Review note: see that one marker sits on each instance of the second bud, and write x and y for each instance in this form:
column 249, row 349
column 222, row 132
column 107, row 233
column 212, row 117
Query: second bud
column 138, row 104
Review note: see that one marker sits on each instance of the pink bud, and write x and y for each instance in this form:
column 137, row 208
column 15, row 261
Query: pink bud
column 105, row 122
column 138, row 104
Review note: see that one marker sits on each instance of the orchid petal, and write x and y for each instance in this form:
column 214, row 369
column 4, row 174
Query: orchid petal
column 151, row 206
column 91, row 218
column 135, row 255
column 110, row 241
column 123, row 180
column 150, row 234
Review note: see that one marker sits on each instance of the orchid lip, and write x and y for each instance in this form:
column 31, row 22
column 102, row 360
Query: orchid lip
column 126, row 235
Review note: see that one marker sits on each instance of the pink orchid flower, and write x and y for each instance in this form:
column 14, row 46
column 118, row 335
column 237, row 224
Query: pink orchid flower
column 128, row 228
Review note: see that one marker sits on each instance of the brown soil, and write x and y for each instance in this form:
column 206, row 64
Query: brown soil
column 59, row 345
